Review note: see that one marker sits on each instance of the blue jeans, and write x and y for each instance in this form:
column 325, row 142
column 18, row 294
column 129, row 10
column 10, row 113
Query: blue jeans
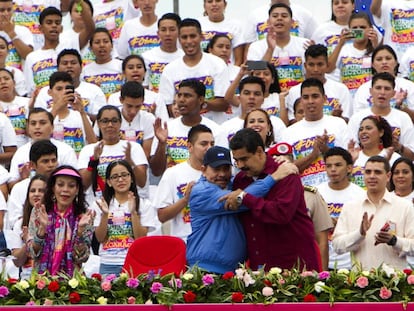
column 105, row 269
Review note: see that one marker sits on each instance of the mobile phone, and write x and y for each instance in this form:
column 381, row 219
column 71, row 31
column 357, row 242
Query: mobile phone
column 386, row 227
column 357, row 33
column 69, row 89
column 256, row 65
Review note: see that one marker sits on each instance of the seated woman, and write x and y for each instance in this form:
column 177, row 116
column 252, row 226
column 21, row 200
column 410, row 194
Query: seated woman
column 60, row 230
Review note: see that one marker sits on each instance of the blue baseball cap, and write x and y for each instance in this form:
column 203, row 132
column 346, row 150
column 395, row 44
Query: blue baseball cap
column 217, row 156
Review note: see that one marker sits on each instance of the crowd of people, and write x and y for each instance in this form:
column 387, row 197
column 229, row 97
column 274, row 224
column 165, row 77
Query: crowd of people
column 276, row 141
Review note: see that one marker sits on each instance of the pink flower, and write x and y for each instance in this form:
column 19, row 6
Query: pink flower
column 410, row 279
column 48, row 302
column 4, row 291
column 131, row 300
column 132, row 283
column 362, row 282
column 267, row 291
column 208, row 279
column 306, row 274
column 110, row 277
column 324, row 275
column 30, row 303
column 385, row 293
column 282, row 281
column 106, row 286
column 156, row 287
column 175, row 283
column 40, row 284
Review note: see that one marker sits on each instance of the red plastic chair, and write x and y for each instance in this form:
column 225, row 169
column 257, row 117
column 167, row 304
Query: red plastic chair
column 158, row 254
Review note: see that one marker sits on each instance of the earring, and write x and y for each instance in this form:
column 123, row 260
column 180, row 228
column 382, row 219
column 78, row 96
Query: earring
column 54, row 198
column 269, row 134
column 381, row 145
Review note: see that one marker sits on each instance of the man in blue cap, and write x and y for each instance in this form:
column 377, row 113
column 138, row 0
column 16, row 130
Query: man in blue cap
column 217, row 242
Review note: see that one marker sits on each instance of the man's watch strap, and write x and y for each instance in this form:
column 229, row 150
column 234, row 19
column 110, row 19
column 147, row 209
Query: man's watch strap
column 240, row 197
column 393, row 241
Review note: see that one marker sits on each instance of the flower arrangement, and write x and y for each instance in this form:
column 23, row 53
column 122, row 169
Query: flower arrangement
column 197, row 286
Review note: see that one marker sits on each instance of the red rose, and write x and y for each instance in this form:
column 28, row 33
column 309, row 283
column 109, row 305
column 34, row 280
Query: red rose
column 309, row 298
column 267, row 283
column 408, row 271
column 189, row 296
column 12, row 281
column 53, row 286
column 97, row 276
column 228, row 275
column 74, row 298
column 237, row 297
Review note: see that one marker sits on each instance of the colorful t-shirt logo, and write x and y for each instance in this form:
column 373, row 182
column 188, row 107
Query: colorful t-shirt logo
column 185, row 212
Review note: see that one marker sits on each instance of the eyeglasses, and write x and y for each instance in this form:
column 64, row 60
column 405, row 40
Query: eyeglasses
column 106, row 121
column 117, row 177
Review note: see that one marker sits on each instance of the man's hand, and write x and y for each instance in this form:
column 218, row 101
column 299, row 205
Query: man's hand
column 160, row 130
column 383, row 237
column 285, row 169
column 24, row 170
column 7, row 25
column 271, row 38
column 77, row 104
column 188, row 190
column 365, row 223
column 321, row 142
column 231, row 200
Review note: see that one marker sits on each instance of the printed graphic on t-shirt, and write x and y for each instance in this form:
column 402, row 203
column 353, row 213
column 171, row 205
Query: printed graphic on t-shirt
column 185, row 212
column 112, row 20
column 289, row 70
column 140, row 44
column 315, row 174
column 109, row 83
column 177, row 150
column 402, row 24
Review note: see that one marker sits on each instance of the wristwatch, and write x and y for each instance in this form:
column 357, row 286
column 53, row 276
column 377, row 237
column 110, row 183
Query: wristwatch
column 393, row 241
column 240, row 198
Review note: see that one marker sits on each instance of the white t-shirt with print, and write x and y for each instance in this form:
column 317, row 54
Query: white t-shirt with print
column 150, row 98
column 363, row 99
column 301, row 135
column 92, row 97
column 337, row 93
column 211, row 71
column 70, row 130
column 120, row 234
column 335, row 199
column 354, row 67
column 136, row 38
column 256, row 26
column 397, row 20
column 155, row 62
column 40, row 64
column 171, row 188
column 176, row 149
column 17, row 111
column 107, row 76
column 288, row 61
column 109, row 154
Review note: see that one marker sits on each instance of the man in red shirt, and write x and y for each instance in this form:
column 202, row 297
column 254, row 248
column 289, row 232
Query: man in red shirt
column 279, row 231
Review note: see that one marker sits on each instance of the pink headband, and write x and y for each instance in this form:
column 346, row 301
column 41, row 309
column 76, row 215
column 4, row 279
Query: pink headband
column 67, row 172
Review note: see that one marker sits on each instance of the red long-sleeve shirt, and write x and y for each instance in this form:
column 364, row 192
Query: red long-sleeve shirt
column 278, row 230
